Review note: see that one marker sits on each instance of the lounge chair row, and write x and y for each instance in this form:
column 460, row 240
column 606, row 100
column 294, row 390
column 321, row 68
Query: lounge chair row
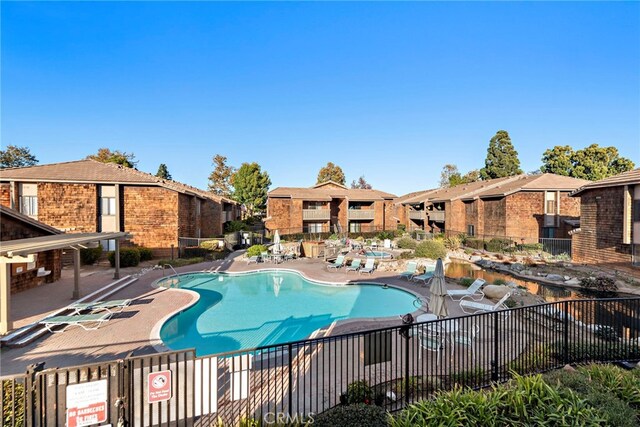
column 369, row 265
column 99, row 313
column 412, row 273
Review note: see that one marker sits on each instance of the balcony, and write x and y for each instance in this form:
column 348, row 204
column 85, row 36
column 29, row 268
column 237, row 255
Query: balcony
column 316, row 214
column 436, row 216
column 419, row 215
column 227, row 216
column 361, row 214
column 550, row 220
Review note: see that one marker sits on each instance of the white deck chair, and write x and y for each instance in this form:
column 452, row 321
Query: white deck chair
column 473, row 291
column 471, row 307
column 88, row 322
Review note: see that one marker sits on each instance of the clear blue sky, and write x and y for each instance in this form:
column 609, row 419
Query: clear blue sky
column 391, row 91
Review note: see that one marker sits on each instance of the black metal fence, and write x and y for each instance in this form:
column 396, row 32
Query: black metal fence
column 391, row 367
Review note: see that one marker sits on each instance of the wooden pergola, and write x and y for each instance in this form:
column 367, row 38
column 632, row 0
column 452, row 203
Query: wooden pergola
column 24, row 250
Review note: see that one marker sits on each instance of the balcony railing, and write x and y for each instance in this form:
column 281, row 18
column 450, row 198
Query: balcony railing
column 550, row 220
column 420, row 215
column 361, row 214
column 313, row 214
column 436, row 216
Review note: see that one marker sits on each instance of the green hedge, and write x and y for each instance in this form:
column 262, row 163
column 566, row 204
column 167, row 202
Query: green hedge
column 145, row 253
column 432, row 249
column 474, row 243
column 358, row 415
column 498, row 244
column 256, row 250
column 406, row 243
column 90, row 255
column 129, row 257
column 12, row 395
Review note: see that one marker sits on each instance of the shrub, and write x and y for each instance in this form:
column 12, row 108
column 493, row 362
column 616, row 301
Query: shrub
column 452, row 243
column 256, row 250
column 406, row 243
column 212, row 245
column 90, row 255
column 476, row 377
column 402, row 227
column 431, row 249
column 359, row 392
column 406, row 255
column 498, row 244
column 352, row 415
column 129, row 257
column 334, row 237
column 12, row 395
column 466, row 281
column 231, row 226
column 145, row 253
column 531, row 247
column 474, row 243
column 499, row 282
column 386, row 235
column 180, row 262
column 579, row 352
column 600, row 283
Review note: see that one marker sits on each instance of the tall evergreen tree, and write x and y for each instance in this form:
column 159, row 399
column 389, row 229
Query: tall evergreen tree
column 220, row 177
column 163, row 172
column 502, row 158
column 251, row 186
column 331, row 172
column 16, row 157
column 361, row 183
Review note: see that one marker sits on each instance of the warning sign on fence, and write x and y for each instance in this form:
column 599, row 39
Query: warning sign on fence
column 159, row 386
column 87, row 403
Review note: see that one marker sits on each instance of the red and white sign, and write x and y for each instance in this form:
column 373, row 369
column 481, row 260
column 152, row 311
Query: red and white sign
column 86, row 403
column 159, row 386
column 93, row 414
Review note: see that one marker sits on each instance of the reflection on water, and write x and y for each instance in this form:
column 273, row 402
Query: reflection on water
column 457, row 269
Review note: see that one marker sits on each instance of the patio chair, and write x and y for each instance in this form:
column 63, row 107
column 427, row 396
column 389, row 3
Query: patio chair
column 424, row 277
column 113, row 306
column 264, row 256
column 355, row 265
column 88, row 322
column 338, row 263
column 471, row 307
column 411, row 270
column 369, row 266
column 432, row 340
column 254, row 259
column 472, row 291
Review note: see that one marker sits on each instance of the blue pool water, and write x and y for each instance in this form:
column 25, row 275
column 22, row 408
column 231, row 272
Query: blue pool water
column 378, row 254
column 264, row 308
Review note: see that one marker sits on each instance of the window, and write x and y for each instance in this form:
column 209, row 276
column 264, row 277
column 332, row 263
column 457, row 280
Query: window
column 355, row 227
column 471, row 230
column 108, row 206
column 550, row 203
column 29, row 205
column 548, row 232
column 108, row 245
column 635, row 211
column 314, row 227
column 315, row 205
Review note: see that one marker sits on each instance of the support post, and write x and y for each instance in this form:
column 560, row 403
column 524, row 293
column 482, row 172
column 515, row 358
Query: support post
column 76, row 274
column 116, row 275
column 5, row 298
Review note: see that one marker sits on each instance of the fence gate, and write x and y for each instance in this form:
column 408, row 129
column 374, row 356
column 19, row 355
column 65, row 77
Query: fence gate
column 140, row 391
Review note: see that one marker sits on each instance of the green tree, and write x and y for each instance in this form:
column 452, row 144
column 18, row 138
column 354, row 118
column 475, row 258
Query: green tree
column 471, row 176
column 450, row 176
column 105, row 155
column 16, row 157
column 502, row 158
column 220, row 177
column 251, row 186
column 558, row 160
column 331, row 172
column 361, row 183
column 163, row 172
column 592, row 162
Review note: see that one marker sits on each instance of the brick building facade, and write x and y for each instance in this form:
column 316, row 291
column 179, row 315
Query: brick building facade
column 521, row 207
column 16, row 226
column 609, row 232
column 89, row 196
column 329, row 207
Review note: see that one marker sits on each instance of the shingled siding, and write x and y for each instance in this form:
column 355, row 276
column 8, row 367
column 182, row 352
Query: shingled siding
column 569, row 209
column 5, row 194
column 525, row 215
column 151, row 216
column 279, row 210
column 72, row 207
column 13, row 229
column 211, row 218
column 600, row 238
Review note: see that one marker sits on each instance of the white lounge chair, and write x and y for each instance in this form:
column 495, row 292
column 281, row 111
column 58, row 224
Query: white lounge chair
column 88, row 322
column 369, row 266
column 113, row 306
column 470, row 307
column 254, row 258
column 473, row 291
column 355, row 265
column 42, row 272
column 411, row 270
column 339, row 263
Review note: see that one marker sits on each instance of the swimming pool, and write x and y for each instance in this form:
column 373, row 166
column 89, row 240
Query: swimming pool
column 242, row 311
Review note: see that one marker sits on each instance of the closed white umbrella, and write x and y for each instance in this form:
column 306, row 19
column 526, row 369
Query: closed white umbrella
column 276, row 243
column 438, row 303
column 277, row 281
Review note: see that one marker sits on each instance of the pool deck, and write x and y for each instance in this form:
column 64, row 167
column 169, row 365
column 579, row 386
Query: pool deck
column 131, row 330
